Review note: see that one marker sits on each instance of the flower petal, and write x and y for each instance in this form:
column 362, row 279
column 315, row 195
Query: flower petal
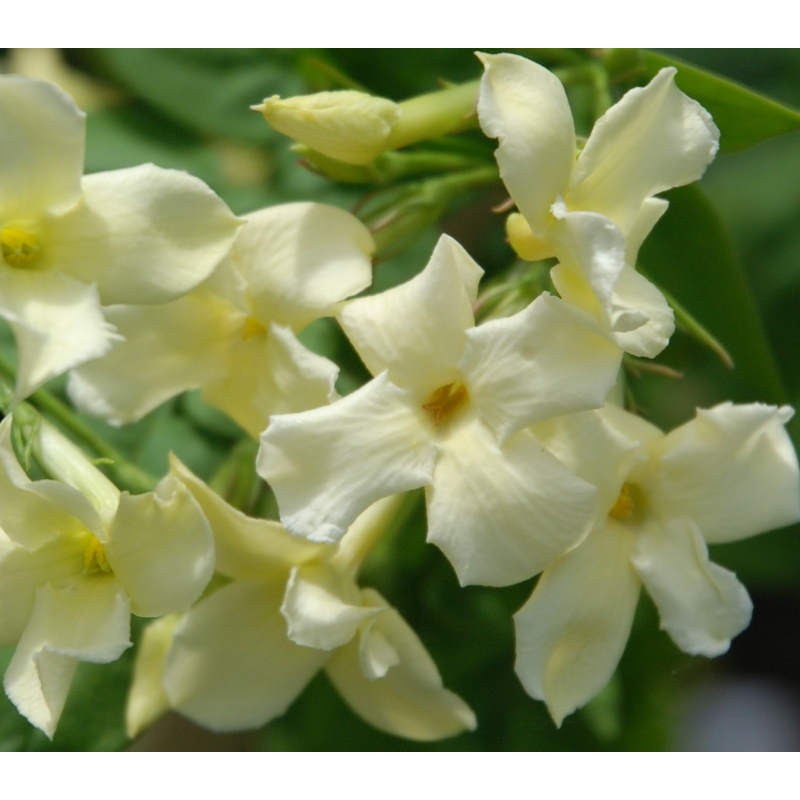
column 161, row 549
column 649, row 214
column 544, row 361
column 57, row 324
column 601, row 447
column 143, row 234
column 247, row 548
column 702, row 606
column 328, row 464
column 409, row 699
column 593, row 247
column 166, row 350
column 502, row 514
column 299, row 260
column 654, row 138
column 34, row 513
column 23, row 571
column 231, row 665
column 88, row 620
column 573, row 629
column 271, row 373
column 525, row 107
column 732, row 470
column 42, row 137
column 593, row 275
column 147, row 699
column 416, row 330
column 634, row 294
column 322, row 607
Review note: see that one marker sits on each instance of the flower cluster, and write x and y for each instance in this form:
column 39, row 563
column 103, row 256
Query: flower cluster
column 142, row 284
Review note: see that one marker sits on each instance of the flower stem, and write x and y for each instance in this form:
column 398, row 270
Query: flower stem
column 378, row 522
column 126, row 474
column 435, row 114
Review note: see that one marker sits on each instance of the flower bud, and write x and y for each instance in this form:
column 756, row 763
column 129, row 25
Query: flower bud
column 349, row 126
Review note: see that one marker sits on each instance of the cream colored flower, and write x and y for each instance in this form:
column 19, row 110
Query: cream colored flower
column 69, row 244
column 244, row 653
column 447, row 410
column 76, row 558
column 728, row 474
column 235, row 335
column 594, row 211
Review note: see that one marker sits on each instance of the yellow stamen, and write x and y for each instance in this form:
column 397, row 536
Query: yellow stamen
column 445, row 401
column 94, row 559
column 20, row 248
column 252, row 327
column 625, row 506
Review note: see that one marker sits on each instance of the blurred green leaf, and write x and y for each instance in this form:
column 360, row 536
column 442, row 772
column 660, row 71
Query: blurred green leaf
column 207, row 96
column 689, row 253
column 743, row 116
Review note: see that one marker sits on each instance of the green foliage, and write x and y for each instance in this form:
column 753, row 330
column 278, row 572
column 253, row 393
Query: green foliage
column 743, row 116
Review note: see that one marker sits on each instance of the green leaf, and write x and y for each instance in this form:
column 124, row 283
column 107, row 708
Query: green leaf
column 205, row 96
column 743, row 116
column 690, row 254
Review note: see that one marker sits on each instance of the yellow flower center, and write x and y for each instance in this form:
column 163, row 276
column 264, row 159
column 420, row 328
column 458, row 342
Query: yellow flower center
column 19, row 247
column 251, row 328
column 446, row 401
column 94, row 558
column 625, row 506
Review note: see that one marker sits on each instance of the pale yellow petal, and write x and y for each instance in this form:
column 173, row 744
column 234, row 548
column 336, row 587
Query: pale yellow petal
column 732, row 470
column 653, row 139
column 147, row 699
column 572, row 631
column 503, row 514
column 407, row 698
column 525, row 107
column 166, row 349
column 161, row 549
column 328, row 464
column 57, row 323
column 702, row 606
column 42, row 138
column 247, row 548
column 300, row 260
column 143, row 234
column 231, row 665
column 87, row 620
column 416, row 330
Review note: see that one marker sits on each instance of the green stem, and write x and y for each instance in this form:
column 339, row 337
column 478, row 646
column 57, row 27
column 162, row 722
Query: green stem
column 379, row 522
column 236, row 479
column 126, row 474
column 421, row 204
column 435, row 114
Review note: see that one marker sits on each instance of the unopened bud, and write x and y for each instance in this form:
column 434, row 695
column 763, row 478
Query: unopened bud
column 349, row 126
